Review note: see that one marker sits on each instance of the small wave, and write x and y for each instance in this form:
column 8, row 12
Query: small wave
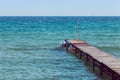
column 33, row 48
column 58, row 48
column 23, row 49
column 110, row 47
column 26, row 49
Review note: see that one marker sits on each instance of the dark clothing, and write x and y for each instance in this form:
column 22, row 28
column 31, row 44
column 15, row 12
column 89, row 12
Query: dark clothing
column 67, row 43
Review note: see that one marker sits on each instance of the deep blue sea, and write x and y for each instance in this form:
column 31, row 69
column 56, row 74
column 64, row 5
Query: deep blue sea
column 30, row 47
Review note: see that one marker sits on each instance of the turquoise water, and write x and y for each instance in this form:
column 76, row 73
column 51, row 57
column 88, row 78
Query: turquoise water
column 30, row 46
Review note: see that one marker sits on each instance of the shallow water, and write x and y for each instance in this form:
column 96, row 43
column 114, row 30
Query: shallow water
column 30, row 46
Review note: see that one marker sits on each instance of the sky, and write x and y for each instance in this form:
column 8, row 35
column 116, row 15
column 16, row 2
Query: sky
column 59, row 7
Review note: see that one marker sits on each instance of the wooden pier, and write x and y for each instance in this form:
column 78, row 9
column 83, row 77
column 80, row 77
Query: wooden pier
column 105, row 62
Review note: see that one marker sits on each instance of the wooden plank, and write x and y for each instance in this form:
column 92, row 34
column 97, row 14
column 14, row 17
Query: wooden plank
column 77, row 41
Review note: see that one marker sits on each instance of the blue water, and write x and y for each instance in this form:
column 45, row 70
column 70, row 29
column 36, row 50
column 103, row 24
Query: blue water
column 30, row 46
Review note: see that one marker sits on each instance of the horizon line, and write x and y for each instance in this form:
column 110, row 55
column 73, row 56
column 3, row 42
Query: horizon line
column 53, row 16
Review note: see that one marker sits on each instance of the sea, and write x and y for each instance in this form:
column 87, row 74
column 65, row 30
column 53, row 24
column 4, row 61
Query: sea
column 30, row 46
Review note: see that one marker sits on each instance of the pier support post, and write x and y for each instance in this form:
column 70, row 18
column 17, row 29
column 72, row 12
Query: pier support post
column 76, row 50
column 101, row 68
column 80, row 52
column 113, row 77
column 87, row 58
column 93, row 60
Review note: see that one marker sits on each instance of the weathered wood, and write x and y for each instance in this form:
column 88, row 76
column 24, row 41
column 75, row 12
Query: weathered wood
column 106, row 62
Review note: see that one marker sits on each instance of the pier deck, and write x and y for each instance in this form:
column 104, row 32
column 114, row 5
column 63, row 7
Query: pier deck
column 106, row 62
